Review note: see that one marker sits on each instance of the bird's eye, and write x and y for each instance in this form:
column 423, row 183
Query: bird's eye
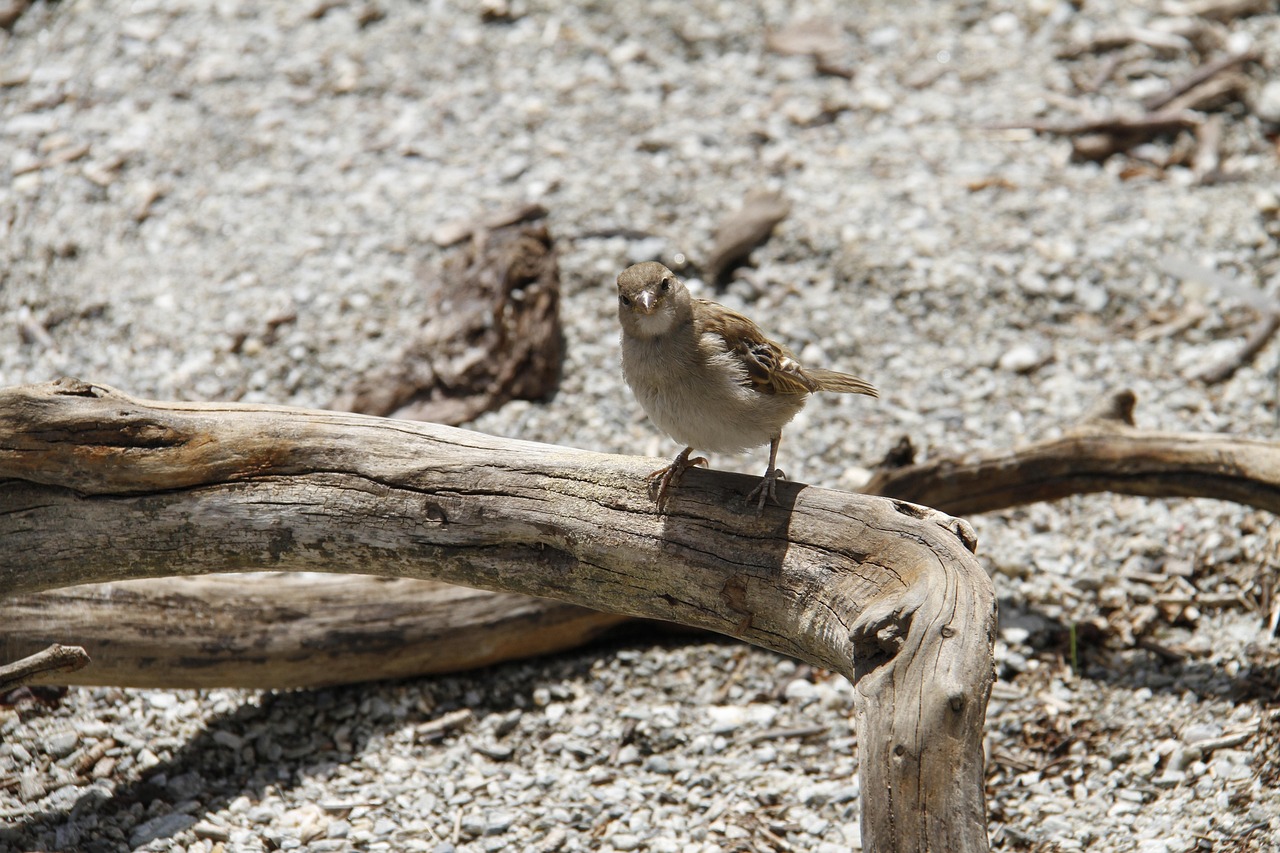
column 666, row 285
column 624, row 300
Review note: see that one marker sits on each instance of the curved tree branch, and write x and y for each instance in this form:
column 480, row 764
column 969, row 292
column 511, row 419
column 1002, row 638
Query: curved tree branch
column 286, row 631
column 96, row 486
column 1103, row 454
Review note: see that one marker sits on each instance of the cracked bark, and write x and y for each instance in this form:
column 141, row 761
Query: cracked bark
column 99, row 487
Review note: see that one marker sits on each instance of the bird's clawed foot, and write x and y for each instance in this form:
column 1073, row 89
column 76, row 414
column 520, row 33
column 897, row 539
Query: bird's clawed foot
column 767, row 491
column 662, row 481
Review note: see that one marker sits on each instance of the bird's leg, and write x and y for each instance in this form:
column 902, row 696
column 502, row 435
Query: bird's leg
column 664, row 479
column 768, row 488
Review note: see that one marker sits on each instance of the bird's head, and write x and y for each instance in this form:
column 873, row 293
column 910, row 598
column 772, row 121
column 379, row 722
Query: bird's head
column 651, row 300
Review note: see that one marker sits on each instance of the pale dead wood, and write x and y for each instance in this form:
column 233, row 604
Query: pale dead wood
column 1260, row 334
column 96, row 486
column 288, row 630
column 56, row 658
column 745, row 229
column 337, row 629
column 1197, row 78
column 1100, row 455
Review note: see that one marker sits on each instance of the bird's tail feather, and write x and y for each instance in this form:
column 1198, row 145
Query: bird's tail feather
column 841, row 383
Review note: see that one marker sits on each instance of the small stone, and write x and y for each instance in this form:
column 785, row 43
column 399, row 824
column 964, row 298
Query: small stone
column 1005, row 23
column 161, row 700
column 185, row 786
column 62, row 744
column 472, row 825
column 799, row 689
column 498, row 752
column 146, row 760
column 227, row 739
column 1192, row 735
column 625, row 841
column 164, row 826
column 498, row 822
column 1267, row 104
column 1022, row 358
column 658, row 764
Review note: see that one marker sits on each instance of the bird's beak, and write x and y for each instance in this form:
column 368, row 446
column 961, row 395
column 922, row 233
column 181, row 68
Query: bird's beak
column 646, row 302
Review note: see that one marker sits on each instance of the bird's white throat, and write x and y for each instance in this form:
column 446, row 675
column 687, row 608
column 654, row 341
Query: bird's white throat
column 651, row 325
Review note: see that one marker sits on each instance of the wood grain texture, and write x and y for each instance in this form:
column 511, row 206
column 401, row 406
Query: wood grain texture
column 1103, row 454
column 96, row 486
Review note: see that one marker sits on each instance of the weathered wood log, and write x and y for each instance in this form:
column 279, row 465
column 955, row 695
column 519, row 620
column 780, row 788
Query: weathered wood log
column 96, row 486
column 283, row 631
column 287, row 630
column 1103, row 454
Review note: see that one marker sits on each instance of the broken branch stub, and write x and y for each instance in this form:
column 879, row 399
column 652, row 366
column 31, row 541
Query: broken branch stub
column 96, row 486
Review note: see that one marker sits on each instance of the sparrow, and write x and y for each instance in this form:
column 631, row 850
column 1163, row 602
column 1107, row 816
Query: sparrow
column 708, row 377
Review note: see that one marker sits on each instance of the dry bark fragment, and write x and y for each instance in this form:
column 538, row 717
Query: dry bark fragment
column 494, row 334
column 744, row 230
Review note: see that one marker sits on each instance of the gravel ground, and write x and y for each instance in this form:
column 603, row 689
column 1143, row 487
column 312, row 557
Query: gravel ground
column 234, row 201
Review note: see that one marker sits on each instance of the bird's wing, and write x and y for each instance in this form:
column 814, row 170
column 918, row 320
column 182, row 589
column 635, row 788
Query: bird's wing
column 770, row 368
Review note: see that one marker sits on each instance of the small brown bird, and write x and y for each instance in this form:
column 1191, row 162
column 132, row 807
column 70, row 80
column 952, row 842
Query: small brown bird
column 708, row 377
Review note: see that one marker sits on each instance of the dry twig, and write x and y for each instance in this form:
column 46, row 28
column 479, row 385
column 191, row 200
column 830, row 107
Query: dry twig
column 55, row 659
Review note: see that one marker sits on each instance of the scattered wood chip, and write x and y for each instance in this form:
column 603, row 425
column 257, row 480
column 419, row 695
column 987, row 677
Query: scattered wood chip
column 1189, row 317
column 1257, row 338
column 89, row 758
column 369, row 13
column 501, row 11
column 493, row 335
column 452, row 233
column 1219, row 10
column 148, row 194
column 1208, row 161
column 1097, row 139
column 324, row 7
column 103, row 172
column 807, row 37
column 69, row 154
column 1111, row 40
column 437, row 728
column 32, row 331
column 990, row 183
column 788, row 733
column 744, row 230
column 1212, row 94
column 1199, row 76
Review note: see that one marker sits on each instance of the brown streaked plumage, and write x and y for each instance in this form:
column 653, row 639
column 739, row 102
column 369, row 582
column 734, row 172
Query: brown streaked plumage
column 709, row 377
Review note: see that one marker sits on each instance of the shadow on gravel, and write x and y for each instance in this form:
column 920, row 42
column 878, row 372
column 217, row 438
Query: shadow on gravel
column 274, row 740
column 1145, row 664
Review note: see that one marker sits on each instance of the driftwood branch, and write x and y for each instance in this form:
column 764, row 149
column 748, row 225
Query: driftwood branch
column 96, row 486
column 304, row 631
column 1103, row 454
column 54, row 659
column 287, row 630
